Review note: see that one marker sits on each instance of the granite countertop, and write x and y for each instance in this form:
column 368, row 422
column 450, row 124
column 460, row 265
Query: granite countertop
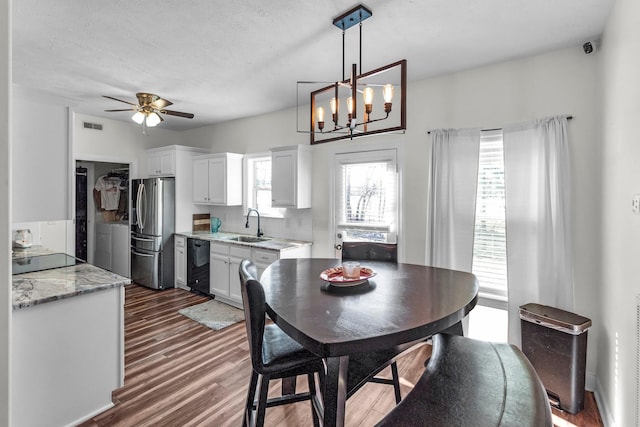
column 272, row 243
column 40, row 287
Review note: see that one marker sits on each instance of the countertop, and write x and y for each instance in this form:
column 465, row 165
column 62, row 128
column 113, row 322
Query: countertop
column 40, row 287
column 272, row 243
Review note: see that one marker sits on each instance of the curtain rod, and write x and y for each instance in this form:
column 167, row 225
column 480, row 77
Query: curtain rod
column 489, row 130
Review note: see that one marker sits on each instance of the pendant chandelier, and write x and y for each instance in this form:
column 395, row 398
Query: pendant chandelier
column 374, row 93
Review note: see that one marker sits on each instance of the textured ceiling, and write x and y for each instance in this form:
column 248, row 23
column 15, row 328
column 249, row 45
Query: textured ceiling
column 223, row 60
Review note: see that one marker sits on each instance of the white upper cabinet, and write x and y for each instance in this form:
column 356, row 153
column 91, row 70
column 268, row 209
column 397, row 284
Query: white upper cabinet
column 176, row 161
column 201, row 181
column 161, row 162
column 217, row 179
column 291, row 177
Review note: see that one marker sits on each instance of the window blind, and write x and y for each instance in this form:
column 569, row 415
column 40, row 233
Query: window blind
column 489, row 247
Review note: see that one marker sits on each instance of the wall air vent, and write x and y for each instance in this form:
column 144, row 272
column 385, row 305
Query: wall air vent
column 96, row 126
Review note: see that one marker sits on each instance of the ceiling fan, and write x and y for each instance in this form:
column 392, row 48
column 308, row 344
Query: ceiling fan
column 149, row 108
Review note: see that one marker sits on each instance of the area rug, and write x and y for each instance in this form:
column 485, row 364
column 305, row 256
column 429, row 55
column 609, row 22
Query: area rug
column 213, row 314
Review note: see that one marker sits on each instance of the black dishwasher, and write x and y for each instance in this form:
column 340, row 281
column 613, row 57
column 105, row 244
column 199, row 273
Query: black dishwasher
column 198, row 265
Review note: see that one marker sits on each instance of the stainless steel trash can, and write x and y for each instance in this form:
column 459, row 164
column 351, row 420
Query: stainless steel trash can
column 555, row 342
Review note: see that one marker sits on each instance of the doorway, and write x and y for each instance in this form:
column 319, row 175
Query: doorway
column 102, row 214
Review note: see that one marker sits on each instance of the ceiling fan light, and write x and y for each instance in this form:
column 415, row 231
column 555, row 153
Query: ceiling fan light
column 138, row 117
column 153, row 119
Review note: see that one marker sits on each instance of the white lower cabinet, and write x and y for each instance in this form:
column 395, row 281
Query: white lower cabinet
column 224, row 266
column 236, row 255
column 263, row 259
column 219, row 270
column 225, row 269
column 224, row 281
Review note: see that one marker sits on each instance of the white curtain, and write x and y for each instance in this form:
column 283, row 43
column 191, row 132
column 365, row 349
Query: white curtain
column 539, row 254
column 451, row 201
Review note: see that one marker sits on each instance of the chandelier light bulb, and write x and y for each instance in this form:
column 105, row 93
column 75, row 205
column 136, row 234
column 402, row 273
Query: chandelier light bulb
column 387, row 93
column 367, row 94
column 350, row 105
column 334, row 105
column 320, row 114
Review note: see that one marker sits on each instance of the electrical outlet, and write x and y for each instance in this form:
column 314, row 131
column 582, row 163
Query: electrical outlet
column 635, row 204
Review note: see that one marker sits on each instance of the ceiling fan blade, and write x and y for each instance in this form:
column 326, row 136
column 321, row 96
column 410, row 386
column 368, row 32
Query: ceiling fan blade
column 160, row 103
column 177, row 113
column 124, row 109
column 116, row 99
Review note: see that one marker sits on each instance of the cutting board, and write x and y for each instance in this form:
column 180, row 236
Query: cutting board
column 201, row 222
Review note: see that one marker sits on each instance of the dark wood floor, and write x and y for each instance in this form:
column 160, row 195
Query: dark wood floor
column 180, row 373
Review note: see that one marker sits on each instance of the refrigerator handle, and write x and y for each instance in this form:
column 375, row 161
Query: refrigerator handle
column 140, row 209
column 143, row 255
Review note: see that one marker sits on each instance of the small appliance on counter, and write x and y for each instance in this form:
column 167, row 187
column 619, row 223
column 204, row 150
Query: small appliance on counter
column 22, row 239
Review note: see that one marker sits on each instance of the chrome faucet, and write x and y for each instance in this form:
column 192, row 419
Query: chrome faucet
column 260, row 233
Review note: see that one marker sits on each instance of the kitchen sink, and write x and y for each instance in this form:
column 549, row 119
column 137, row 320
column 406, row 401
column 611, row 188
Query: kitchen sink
column 248, row 239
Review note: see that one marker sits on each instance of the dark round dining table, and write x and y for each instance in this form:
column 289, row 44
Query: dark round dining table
column 401, row 303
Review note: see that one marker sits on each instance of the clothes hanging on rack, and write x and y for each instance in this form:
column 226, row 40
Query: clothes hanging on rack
column 109, row 188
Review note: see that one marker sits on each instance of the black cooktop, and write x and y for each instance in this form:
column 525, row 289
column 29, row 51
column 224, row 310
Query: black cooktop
column 42, row 262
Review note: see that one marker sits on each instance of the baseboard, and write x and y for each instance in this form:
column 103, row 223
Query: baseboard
column 603, row 407
column 91, row 415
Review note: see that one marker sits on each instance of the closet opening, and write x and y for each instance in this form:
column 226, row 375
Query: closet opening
column 102, row 214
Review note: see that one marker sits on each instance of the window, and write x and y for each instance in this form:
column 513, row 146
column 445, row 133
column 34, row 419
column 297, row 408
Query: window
column 489, row 246
column 489, row 320
column 258, row 187
column 366, row 206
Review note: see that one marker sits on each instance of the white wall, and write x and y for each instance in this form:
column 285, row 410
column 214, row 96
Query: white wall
column 118, row 141
column 39, row 156
column 560, row 82
column 5, row 211
column 52, row 235
column 620, row 228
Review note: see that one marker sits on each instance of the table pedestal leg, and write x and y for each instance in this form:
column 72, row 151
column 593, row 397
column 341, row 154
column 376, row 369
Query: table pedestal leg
column 335, row 392
column 455, row 329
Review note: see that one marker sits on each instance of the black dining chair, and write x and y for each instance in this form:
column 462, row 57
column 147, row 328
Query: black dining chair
column 274, row 355
column 375, row 251
column 370, row 251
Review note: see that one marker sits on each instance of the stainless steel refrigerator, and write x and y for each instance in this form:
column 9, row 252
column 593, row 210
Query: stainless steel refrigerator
column 152, row 228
